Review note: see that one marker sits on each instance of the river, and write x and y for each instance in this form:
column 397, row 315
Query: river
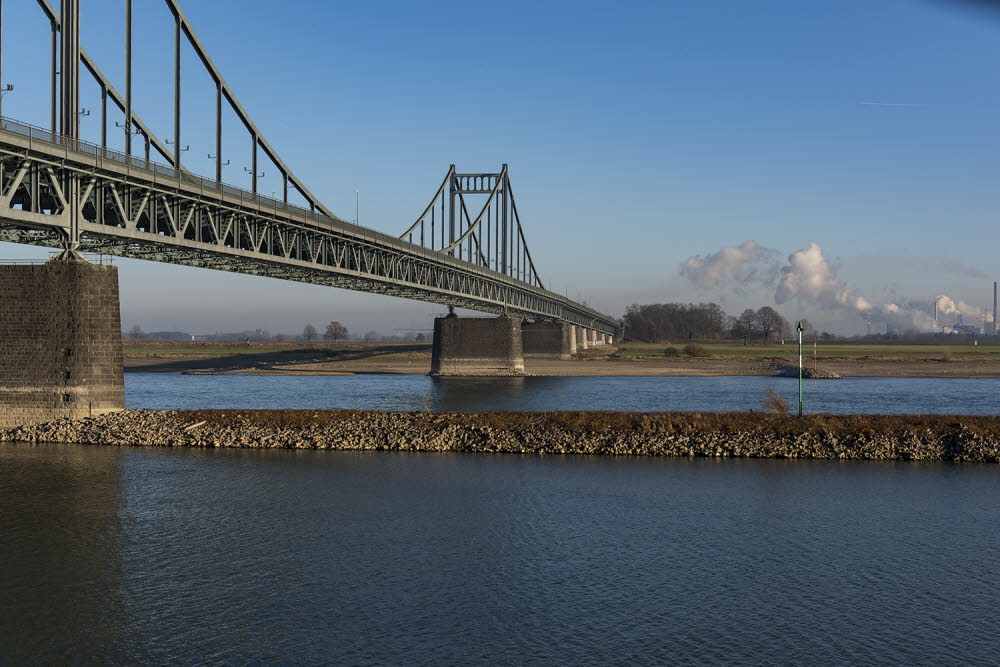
column 419, row 392
column 220, row 556
column 120, row 555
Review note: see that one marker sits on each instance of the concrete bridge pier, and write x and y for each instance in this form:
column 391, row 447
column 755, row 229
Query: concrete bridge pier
column 548, row 340
column 60, row 342
column 582, row 338
column 477, row 346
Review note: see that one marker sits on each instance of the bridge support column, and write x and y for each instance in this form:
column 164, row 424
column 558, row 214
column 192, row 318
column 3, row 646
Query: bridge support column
column 60, row 342
column 477, row 346
column 593, row 337
column 547, row 340
column 572, row 338
column 582, row 339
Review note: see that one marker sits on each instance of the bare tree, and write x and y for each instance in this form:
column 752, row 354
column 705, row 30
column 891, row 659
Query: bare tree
column 769, row 322
column 309, row 333
column 745, row 325
column 136, row 332
column 808, row 330
column 664, row 322
column 335, row 331
column 371, row 337
column 279, row 338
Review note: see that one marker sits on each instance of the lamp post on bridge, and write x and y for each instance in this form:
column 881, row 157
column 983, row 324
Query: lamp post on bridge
column 3, row 91
column 253, row 177
column 4, row 88
column 219, row 166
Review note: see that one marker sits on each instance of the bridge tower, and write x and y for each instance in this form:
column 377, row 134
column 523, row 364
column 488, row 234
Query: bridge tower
column 69, row 120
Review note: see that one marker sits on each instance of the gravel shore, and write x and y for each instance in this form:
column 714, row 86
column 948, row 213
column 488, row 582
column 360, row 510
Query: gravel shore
column 758, row 435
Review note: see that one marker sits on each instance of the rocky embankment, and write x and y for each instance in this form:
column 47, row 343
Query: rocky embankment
column 807, row 373
column 870, row 437
column 783, row 370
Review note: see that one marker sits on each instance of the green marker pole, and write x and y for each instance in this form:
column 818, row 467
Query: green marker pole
column 799, row 329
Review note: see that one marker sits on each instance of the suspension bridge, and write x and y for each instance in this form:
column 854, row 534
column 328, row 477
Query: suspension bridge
column 466, row 249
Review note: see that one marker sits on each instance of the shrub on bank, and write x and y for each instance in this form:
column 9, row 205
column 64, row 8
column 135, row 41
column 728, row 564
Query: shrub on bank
column 774, row 402
column 696, row 350
column 671, row 351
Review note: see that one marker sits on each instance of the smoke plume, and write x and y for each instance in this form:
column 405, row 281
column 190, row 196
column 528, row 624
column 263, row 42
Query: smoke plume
column 809, row 279
column 736, row 266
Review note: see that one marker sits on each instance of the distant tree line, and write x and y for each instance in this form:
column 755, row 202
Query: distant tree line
column 333, row 332
column 668, row 322
column 672, row 322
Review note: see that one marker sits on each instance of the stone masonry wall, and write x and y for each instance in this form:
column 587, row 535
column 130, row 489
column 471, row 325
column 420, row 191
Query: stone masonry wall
column 477, row 346
column 546, row 340
column 60, row 342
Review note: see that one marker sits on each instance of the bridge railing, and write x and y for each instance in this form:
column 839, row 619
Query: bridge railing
column 101, row 152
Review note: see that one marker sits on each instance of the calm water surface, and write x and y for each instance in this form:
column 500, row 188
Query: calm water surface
column 125, row 555
column 418, row 392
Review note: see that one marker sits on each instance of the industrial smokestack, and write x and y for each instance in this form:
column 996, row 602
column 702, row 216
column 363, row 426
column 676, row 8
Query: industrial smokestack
column 994, row 308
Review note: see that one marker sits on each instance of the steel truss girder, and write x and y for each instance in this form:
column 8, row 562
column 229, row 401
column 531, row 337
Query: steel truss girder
column 130, row 214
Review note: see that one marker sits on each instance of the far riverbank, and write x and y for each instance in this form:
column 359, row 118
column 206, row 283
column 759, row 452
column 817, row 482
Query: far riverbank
column 732, row 434
column 629, row 360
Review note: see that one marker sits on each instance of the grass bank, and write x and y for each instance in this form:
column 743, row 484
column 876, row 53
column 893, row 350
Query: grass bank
column 861, row 351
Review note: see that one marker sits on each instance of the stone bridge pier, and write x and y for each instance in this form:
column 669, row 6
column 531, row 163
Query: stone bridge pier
column 483, row 346
column 477, row 346
column 548, row 340
column 60, row 342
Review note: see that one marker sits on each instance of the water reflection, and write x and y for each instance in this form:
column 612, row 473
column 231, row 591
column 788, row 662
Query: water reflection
column 469, row 394
column 61, row 554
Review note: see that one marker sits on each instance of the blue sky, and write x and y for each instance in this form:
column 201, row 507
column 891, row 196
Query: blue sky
column 638, row 134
